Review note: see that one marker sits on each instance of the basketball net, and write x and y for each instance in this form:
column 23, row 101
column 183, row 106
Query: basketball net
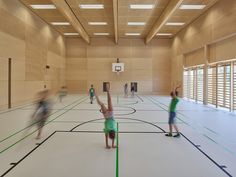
column 117, row 73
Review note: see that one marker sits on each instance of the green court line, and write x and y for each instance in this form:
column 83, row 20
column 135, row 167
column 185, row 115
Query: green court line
column 44, row 125
column 117, row 151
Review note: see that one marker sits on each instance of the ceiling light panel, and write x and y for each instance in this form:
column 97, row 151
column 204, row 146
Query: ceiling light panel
column 136, row 23
column 101, row 34
column 164, row 34
column 175, row 23
column 91, row 6
column 71, row 34
column 60, row 23
column 43, row 6
column 97, row 23
column 192, row 7
column 141, row 6
column 132, row 34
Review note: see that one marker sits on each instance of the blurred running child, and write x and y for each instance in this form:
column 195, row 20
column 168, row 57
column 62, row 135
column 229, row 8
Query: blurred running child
column 126, row 90
column 42, row 111
column 62, row 93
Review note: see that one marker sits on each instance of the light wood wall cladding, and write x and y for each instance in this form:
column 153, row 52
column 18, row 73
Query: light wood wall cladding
column 3, row 82
column 194, row 58
column 148, row 65
column 216, row 28
column 32, row 44
column 223, row 50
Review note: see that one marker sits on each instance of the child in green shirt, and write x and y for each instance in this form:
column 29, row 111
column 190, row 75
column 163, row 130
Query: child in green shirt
column 172, row 113
column 91, row 94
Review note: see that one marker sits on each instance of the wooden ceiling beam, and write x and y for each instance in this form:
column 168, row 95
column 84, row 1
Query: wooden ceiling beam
column 66, row 11
column 115, row 13
column 161, row 21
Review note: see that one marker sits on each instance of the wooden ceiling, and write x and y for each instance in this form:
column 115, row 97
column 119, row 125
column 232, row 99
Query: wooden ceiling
column 117, row 14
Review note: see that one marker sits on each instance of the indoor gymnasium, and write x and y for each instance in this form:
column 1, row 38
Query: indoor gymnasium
column 117, row 88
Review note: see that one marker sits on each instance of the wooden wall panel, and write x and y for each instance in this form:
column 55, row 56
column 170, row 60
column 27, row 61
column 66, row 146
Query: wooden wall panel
column 3, row 82
column 194, row 58
column 223, row 50
column 95, row 66
column 31, row 43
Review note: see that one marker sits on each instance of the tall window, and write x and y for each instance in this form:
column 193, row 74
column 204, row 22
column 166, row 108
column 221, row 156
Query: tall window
column 200, row 76
column 221, row 84
column 193, row 83
column 234, row 85
column 211, row 87
column 186, row 93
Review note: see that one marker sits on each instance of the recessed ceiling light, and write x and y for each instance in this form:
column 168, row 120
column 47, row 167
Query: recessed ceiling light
column 175, row 23
column 101, row 34
column 132, row 34
column 164, row 34
column 136, row 23
column 97, row 23
column 141, row 6
column 71, row 34
column 60, row 23
column 192, row 7
column 91, row 6
column 43, row 6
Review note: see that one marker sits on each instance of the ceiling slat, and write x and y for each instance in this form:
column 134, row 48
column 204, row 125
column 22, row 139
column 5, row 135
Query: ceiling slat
column 115, row 13
column 63, row 7
column 170, row 9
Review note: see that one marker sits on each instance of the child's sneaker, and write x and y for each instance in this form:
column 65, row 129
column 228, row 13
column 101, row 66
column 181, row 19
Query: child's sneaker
column 177, row 135
column 169, row 134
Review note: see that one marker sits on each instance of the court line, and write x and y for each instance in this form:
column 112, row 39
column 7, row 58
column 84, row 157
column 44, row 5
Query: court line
column 124, row 114
column 139, row 97
column 117, row 151
column 17, row 163
column 36, row 122
column 37, row 129
column 117, row 119
column 212, row 131
column 221, row 167
column 153, row 101
column 198, row 148
column 16, row 108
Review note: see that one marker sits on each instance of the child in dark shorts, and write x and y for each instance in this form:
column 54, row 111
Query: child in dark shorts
column 172, row 113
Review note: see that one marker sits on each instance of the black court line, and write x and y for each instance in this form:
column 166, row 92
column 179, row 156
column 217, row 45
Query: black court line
column 221, row 167
column 17, row 163
column 131, row 103
column 118, row 119
column 16, row 108
column 124, row 114
column 139, row 97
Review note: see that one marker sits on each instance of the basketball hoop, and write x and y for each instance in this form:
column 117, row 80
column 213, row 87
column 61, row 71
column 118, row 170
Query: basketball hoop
column 118, row 70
